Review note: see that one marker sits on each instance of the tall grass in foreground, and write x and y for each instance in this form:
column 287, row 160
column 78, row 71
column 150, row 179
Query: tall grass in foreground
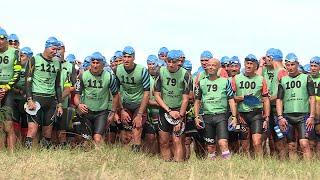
column 119, row 163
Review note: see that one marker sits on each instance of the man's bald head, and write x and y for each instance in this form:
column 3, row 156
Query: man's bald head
column 213, row 66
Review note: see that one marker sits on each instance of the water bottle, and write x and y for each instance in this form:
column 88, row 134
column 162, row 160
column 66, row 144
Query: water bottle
column 278, row 132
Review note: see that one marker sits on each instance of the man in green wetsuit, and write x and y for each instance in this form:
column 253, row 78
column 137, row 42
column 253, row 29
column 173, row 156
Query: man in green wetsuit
column 296, row 107
column 272, row 69
column 19, row 114
column 92, row 94
column 315, row 76
column 151, row 126
column 43, row 85
column 9, row 74
column 172, row 88
column 254, row 116
column 134, row 81
column 68, row 79
column 214, row 94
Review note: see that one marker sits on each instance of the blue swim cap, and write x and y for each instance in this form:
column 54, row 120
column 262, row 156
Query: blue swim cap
column 128, row 50
column 174, row 55
column 275, row 54
column 206, row 55
column 315, row 60
column 61, row 44
column 27, row 51
column 181, row 54
column 224, row 60
column 52, row 41
column 152, row 59
column 3, row 33
column 307, row 68
column 187, row 65
column 291, row 57
column 161, row 63
column 98, row 56
column 234, row 60
column 13, row 37
column 163, row 51
column 252, row 58
column 71, row 58
column 118, row 54
column 87, row 59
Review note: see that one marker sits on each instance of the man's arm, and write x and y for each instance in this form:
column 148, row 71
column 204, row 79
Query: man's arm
column 16, row 71
column 312, row 96
column 58, row 86
column 28, row 77
column 279, row 102
column 146, row 88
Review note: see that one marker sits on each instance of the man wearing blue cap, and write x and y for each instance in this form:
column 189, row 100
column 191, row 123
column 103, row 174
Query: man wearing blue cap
column 315, row 135
column 172, row 89
column 14, row 41
column 92, row 97
column 151, row 126
column 272, row 69
column 19, row 114
column 234, row 66
column 296, row 107
column 204, row 58
column 134, row 80
column 9, row 75
column 68, row 80
column 253, row 104
column 162, row 55
column 43, row 88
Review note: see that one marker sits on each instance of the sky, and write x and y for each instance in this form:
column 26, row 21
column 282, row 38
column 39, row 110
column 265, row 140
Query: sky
column 226, row 28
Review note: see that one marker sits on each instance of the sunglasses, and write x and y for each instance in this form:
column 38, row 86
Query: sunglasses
column 13, row 42
column 3, row 36
column 250, row 59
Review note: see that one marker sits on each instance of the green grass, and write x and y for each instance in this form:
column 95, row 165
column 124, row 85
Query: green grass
column 119, row 163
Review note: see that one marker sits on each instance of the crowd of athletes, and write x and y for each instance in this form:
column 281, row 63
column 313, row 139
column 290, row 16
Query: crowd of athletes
column 266, row 106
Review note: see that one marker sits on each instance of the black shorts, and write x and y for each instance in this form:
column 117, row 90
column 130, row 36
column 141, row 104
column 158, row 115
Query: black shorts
column 19, row 114
column 95, row 121
column 315, row 133
column 7, row 106
column 150, row 128
column 46, row 114
column 215, row 127
column 298, row 124
column 254, row 120
column 164, row 125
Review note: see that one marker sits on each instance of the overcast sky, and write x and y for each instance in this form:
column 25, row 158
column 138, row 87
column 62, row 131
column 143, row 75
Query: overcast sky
column 228, row 27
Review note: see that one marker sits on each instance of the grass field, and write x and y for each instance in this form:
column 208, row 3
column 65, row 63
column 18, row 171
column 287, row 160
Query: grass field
column 118, row 163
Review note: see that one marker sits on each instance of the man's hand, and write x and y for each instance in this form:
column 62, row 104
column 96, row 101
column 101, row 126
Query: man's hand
column 310, row 123
column 175, row 114
column 283, row 123
column 59, row 111
column 31, row 105
column 137, row 121
column 83, row 108
column 125, row 116
column 234, row 121
column 198, row 122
